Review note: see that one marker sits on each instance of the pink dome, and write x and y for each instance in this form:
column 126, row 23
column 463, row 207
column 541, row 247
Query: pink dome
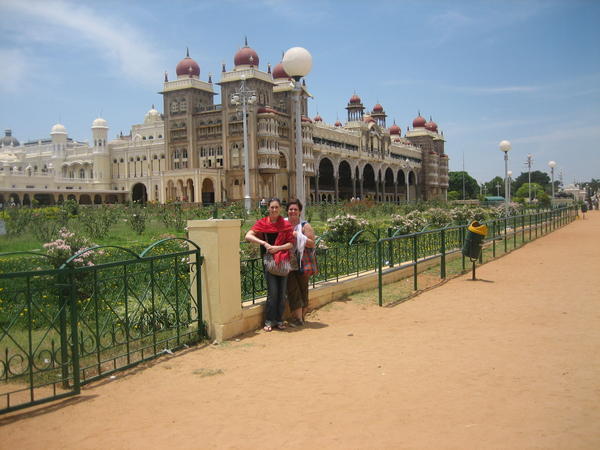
column 419, row 122
column 279, row 72
column 354, row 99
column 187, row 66
column 318, row 118
column 431, row 126
column 394, row 129
column 377, row 108
column 338, row 123
column 246, row 56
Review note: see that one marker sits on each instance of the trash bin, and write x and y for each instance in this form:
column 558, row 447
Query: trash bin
column 476, row 233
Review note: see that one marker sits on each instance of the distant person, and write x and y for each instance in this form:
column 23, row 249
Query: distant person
column 584, row 209
column 297, row 284
column 275, row 236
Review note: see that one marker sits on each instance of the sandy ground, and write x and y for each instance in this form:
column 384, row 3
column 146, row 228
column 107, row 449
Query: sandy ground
column 512, row 362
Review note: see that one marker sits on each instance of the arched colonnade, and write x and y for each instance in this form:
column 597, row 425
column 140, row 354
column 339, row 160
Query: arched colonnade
column 344, row 180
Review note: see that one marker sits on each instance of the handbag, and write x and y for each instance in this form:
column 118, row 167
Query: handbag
column 281, row 269
column 308, row 264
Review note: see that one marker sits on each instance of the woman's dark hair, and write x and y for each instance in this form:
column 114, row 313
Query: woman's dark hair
column 274, row 199
column 295, row 202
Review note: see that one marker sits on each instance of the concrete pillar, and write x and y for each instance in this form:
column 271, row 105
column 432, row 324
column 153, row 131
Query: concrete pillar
column 219, row 241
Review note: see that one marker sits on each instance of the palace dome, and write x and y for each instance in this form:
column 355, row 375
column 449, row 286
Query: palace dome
column 394, row 129
column 187, row 67
column 246, row 56
column 338, row 123
column 279, row 72
column 58, row 129
column 377, row 108
column 431, row 125
column 99, row 123
column 152, row 115
column 306, row 119
column 419, row 122
column 9, row 140
column 318, row 118
column 354, row 99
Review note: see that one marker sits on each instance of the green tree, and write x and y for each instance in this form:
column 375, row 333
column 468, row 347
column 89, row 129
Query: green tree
column 537, row 176
column 470, row 183
column 536, row 191
column 454, row 195
column 490, row 186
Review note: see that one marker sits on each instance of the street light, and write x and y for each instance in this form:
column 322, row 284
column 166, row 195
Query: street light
column 297, row 62
column 552, row 165
column 243, row 96
column 529, row 163
column 509, row 173
column 505, row 147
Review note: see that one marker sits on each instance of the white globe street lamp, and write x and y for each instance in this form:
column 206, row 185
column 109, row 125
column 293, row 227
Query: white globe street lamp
column 505, row 147
column 552, row 165
column 243, row 96
column 297, row 63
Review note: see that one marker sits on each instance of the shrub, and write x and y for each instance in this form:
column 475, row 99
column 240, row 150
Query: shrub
column 438, row 217
column 67, row 245
column 137, row 218
column 342, row 227
column 97, row 221
column 412, row 222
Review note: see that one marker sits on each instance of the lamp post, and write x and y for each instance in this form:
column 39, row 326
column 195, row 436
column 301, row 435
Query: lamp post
column 297, row 62
column 552, row 165
column 529, row 162
column 509, row 173
column 244, row 96
column 505, row 148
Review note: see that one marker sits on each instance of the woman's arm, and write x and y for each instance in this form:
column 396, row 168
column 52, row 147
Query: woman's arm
column 277, row 248
column 310, row 235
column 252, row 237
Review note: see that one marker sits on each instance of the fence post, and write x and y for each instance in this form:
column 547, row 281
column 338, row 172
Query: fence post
column 221, row 290
column 415, row 257
column 443, row 254
column 74, row 332
column 380, row 271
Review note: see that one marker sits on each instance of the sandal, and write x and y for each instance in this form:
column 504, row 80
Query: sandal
column 281, row 326
column 267, row 328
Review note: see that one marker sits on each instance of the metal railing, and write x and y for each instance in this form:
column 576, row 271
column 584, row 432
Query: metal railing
column 63, row 327
column 368, row 251
column 513, row 232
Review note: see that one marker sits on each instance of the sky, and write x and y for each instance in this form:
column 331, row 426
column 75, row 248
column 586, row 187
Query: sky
column 527, row 71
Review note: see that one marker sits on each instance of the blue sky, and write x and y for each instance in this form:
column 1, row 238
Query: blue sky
column 526, row 71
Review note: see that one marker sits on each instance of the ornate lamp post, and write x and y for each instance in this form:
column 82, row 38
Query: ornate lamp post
column 505, row 148
column 297, row 62
column 244, row 96
column 552, row 165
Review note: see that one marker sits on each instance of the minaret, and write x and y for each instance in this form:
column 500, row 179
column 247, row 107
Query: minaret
column 100, row 135
column 355, row 109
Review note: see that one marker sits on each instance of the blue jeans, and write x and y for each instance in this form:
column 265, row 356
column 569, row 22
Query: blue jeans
column 276, row 292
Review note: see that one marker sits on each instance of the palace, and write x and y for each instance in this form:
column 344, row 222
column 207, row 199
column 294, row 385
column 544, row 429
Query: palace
column 194, row 151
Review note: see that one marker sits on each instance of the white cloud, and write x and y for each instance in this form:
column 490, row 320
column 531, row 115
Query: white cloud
column 57, row 22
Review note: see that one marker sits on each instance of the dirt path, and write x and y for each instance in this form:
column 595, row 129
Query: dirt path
column 509, row 363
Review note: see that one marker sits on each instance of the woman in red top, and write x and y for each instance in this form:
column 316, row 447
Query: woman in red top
column 274, row 235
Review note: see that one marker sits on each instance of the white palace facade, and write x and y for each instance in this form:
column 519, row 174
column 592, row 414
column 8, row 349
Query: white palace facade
column 193, row 151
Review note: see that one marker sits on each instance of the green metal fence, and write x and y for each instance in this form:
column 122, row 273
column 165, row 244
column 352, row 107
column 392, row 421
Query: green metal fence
column 63, row 327
column 367, row 251
column 504, row 235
